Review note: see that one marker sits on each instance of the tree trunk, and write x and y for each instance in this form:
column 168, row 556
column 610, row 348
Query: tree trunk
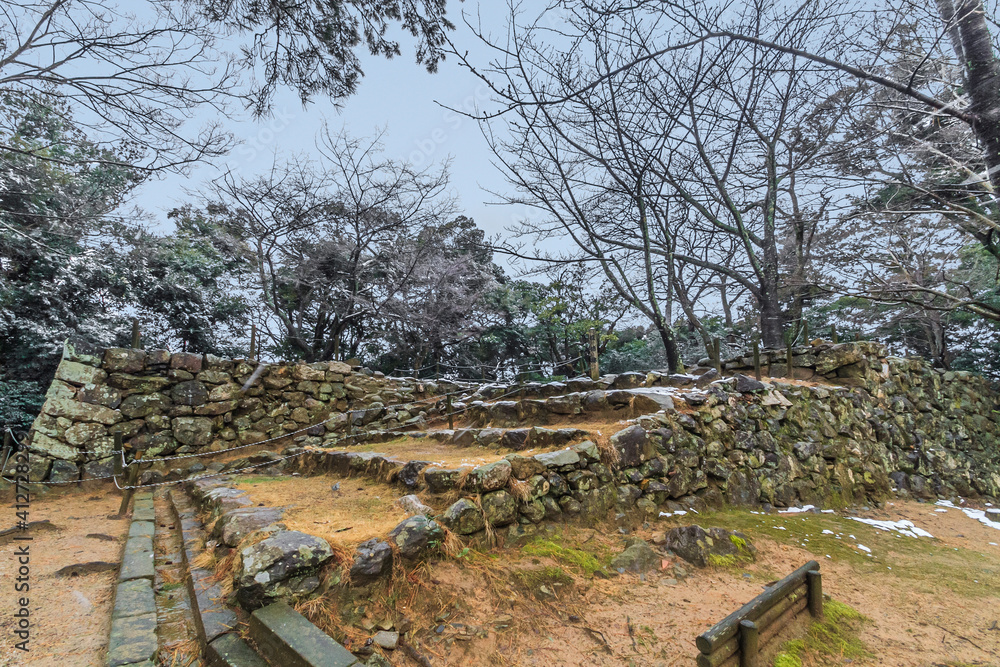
column 983, row 76
column 772, row 321
column 669, row 344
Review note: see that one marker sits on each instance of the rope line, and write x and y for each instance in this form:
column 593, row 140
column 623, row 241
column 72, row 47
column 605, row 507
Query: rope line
column 353, row 436
column 289, row 434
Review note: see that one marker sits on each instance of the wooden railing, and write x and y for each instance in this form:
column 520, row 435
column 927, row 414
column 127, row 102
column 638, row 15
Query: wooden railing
column 737, row 639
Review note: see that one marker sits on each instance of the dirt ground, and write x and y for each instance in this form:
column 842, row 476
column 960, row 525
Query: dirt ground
column 70, row 614
column 359, row 510
column 931, row 602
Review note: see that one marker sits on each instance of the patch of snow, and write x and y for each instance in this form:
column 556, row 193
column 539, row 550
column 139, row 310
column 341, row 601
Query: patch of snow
column 940, row 510
column 796, row 510
column 864, row 548
column 978, row 515
column 828, row 511
column 827, row 532
column 903, row 526
column 779, row 527
column 674, row 513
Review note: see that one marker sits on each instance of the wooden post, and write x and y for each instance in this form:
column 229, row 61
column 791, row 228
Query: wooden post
column 749, row 644
column 788, row 356
column 857, row 336
column 133, row 477
column 350, row 423
column 814, row 586
column 595, row 371
column 451, row 415
column 135, row 333
column 253, row 341
column 116, row 451
column 717, row 355
column 833, row 333
column 8, row 448
column 805, row 331
column 756, row 358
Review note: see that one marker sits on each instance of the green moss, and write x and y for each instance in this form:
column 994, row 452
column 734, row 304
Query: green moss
column 787, row 660
column 171, row 586
column 579, row 559
column 833, row 637
column 838, row 612
column 549, row 576
column 740, row 543
column 722, row 561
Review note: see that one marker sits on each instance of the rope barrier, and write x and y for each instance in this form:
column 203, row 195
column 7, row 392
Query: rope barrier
column 290, row 433
column 72, row 481
column 354, row 436
column 279, row 459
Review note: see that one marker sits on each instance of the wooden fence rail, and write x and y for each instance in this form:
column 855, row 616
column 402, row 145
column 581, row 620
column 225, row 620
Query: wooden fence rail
column 737, row 639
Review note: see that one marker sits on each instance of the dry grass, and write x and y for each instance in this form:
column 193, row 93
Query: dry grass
column 520, row 489
column 323, row 611
column 425, row 449
column 491, row 535
column 610, row 456
column 360, row 510
column 184, row 654
column 451, row 544
column 226, row 567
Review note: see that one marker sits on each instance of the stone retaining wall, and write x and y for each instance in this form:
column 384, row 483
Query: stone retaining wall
column 184, row 403
column 871, row 419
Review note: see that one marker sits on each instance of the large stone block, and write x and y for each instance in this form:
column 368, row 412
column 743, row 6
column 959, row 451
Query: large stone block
column 281, row 559
column 124, row 360
column 287, row 638
column 134, row 598
column 81, row 350
column 190, row 393
column 43, row 444
column 132, row 640
column 138, row 406
column 186, row 361
column 101, row 394
column 81, row 412
column 195, row 431
column 79, row 374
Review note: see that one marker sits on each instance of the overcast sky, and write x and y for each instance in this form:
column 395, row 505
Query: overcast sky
column 397, row 95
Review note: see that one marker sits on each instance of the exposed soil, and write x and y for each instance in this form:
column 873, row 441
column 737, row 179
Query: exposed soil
column 929, row 601
column 359, row 510
column 70, row 615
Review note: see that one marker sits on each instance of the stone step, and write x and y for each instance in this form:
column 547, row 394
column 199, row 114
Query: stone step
column 212, row 618
column 287, row 638
column 229, row 650
column 132, row 640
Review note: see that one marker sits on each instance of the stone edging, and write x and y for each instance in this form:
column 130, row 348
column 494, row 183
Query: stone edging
column 133, row 640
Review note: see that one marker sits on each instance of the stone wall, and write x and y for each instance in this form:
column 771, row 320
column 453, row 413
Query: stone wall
column 172, row 404
column 868, row 422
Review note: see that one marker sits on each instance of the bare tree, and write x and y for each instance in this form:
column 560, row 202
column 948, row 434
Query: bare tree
column 332, row 242
column 656, row 166
column 135, row 74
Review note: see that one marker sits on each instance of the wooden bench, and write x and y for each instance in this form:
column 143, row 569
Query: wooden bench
column 738, row 639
